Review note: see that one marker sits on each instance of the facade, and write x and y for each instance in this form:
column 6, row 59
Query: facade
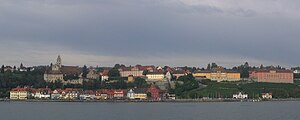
column 272, row 76
column 219, row 75
column 155, row 76
column 19, row 94
column 240, row 96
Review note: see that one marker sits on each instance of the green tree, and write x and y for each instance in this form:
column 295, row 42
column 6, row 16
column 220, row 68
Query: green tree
column 145, row 72
column 214, row 65
column 208, row 67
column 2, row 69
column 114, row 73
column 85, row 71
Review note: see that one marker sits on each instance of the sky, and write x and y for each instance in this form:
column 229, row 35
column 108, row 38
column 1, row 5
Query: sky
column 150, row 32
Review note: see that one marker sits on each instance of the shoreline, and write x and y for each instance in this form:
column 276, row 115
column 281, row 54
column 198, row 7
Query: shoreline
column 159, row 101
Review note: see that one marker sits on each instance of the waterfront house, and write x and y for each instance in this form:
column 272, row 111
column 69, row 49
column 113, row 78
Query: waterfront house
column 42, row 93
column 70, row 94
column 267, row 95
column 19, row 93
column 137, row 93
column 153, row 92
column 240, row 96
column 119, row 94
column 87, row 95
column 56, row 94
column 130, row 94
column 170, row 96
column 101, row 94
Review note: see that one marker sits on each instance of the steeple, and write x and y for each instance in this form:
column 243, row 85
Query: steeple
column 58, row 62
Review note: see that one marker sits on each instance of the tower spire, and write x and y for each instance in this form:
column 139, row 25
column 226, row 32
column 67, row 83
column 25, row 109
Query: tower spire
column 58, row 62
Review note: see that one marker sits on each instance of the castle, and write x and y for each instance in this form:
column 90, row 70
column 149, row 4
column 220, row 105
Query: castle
column 58, row 72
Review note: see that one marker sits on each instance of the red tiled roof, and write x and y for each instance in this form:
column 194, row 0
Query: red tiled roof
column 19, row 89
column 70, row 70
column 144, row 67
column 179, row 72
column 104, row 73
column 277, row 71
column 155, row 72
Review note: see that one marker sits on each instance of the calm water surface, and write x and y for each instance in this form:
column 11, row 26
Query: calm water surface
column 149, row 111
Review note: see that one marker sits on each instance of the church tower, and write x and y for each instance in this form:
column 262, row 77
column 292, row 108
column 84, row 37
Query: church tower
column 58, row 61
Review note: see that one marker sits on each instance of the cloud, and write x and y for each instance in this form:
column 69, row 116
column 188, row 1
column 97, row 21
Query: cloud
column 174, row 32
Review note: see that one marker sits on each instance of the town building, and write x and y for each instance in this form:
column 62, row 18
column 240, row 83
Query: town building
column 70, row 94
column 267, row 95
column 137, row 93
column 102, row 94
column 219, row 74
column 42, row 93
column 169, row 76
column 135, row 71
column 104, row 75
column 119, row 94
column 154, row 92
column 156, row 76
column 87, row 95
column 9, row 69
column 240, row 96
column 178, row 73
column 93, row 75
column 272, row 76
column 56, row 94
column 19, row 93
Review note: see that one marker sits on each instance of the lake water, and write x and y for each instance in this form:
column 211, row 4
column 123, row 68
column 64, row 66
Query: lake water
column 150, row 111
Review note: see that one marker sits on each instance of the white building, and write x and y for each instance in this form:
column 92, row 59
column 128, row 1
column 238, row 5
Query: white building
column 155, row 76
column 267, row 95
column 42, row 93
column 240, row 96
column 130, row 94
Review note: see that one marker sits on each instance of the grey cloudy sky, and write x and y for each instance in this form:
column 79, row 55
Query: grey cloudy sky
column 159, row 32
